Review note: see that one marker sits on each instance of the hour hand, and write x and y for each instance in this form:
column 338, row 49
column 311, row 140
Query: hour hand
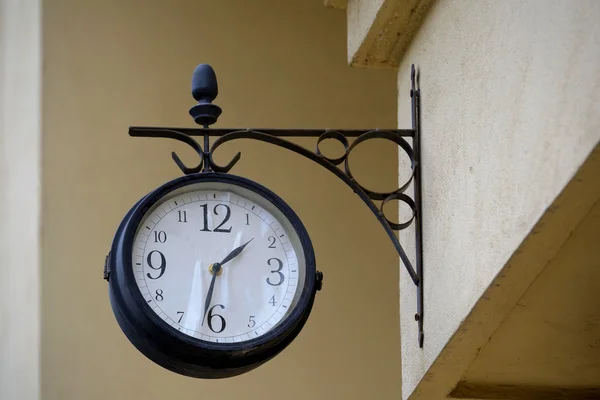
column 235, row 252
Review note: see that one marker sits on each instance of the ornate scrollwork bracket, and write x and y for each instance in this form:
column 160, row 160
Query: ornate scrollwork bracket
column 204, row 89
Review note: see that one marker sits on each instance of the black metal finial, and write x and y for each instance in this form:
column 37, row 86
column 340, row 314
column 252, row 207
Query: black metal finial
column 205, row 90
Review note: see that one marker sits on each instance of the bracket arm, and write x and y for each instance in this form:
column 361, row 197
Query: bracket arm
column 275, row 137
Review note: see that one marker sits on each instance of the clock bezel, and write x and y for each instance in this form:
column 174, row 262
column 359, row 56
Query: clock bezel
column 174, row 350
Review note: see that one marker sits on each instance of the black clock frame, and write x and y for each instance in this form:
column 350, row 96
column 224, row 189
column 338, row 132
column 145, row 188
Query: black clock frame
column 174, row 350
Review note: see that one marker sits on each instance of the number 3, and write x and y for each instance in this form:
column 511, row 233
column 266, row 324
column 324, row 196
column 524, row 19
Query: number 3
column 276, row 271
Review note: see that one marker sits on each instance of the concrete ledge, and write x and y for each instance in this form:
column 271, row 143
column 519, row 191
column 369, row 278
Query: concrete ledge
column 559, row 221
column 522, row 392
column 379, row 31
column 341, row 4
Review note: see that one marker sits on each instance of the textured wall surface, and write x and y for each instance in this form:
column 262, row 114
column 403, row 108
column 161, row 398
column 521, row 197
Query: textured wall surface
column 20, row 68
column 510, row 109
column 111, row 64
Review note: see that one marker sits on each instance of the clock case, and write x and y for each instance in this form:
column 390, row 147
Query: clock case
column 174, row 350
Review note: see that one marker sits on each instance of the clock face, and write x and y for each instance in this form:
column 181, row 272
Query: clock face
column 218, row 262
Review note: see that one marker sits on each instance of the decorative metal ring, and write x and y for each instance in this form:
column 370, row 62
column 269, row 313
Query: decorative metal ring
column 377, row 134
column 340, row 138
column 408, row 201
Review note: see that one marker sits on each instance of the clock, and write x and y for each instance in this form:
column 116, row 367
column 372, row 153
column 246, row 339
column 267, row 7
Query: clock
column 211, row 275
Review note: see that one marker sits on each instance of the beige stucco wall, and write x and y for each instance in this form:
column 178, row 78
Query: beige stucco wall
column 510, row 110
column 20, row 67
column 111, row 64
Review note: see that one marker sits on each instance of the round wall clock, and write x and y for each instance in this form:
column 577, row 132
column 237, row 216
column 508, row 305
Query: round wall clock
column 211, row 275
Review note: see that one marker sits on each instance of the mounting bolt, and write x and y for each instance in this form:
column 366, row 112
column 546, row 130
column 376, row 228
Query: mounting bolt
column 319, row 280
column 107, row 267
column 417, row 317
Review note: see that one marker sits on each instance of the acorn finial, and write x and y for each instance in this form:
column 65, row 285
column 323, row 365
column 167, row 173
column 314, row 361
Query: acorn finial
column 205, row 90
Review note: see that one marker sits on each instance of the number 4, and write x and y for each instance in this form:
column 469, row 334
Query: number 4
column 272, row 301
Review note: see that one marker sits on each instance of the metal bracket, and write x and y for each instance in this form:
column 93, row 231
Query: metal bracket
column 205, row 113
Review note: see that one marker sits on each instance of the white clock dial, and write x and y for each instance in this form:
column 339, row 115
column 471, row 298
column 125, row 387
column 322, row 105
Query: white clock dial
column 198, row 226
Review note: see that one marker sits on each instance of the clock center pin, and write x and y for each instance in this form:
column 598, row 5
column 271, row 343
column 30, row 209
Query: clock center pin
column 215, row 269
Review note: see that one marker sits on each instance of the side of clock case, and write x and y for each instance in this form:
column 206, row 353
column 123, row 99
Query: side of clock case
column 170, row 348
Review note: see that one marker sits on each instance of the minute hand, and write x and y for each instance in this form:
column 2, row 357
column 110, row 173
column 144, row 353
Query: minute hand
column 209, row 294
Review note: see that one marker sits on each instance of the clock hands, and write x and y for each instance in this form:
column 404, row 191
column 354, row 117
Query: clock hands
column 234, row 253
column 215, row 270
